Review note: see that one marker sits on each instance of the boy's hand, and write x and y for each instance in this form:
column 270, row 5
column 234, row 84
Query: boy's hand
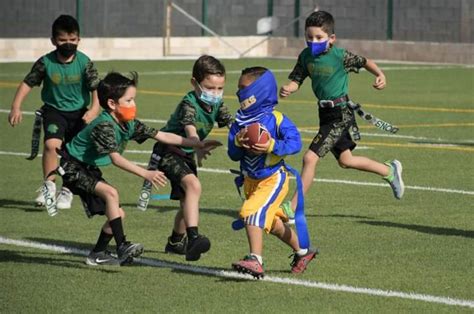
column 156, row 178
column 241, row 138
column 288, row 89
column 380, row 82
column 202, row 154
column 259, row 149
column 14, row 117
column 90, row 115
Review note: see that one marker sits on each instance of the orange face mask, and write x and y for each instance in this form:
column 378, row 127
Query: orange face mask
column 125, row 114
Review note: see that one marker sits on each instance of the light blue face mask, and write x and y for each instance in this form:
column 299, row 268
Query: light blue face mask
column 209, row 97
column 318, row 48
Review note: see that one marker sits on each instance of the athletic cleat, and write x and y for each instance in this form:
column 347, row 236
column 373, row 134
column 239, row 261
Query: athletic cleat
column 39, row 200
column 195, row 247
column 178, row 247
column 299, row 263
column 288, row 211
column 249, row 265
column 102, row 258
column 64, row 199
column 395, row 178
column 127, row 251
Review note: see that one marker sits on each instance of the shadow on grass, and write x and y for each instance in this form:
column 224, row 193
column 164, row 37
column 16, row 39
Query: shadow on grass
column 424, row 229
column 216, row 211
column 27, row 206
column 7, row 256
column 341, row 216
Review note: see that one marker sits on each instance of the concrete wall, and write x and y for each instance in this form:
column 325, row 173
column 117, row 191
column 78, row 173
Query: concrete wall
column 29, row 49
column 413, row 20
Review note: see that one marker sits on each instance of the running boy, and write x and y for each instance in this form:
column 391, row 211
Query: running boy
column 266, row 179
column 101, row 143
column 69, row 77
column 193, row 118
column 328, row 67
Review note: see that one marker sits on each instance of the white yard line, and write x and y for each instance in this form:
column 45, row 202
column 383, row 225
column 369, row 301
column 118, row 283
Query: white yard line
column 334, row 181
column 232, row 274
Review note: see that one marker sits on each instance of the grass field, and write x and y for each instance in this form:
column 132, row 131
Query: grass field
column 377, row 254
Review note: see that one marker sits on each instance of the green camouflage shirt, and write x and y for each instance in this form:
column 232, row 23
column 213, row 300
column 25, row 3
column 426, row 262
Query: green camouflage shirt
column 103, row 136
column 328, row 71
column 66, row 86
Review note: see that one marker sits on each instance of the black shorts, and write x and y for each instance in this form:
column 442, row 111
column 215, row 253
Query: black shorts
column 334, row 135
column 81, row 179
column 175, row 164
column 63, row 125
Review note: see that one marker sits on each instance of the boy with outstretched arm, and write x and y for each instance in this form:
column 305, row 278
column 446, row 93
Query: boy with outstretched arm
column 193, row 118
column 101, row 143
column 328, row 67
column 265, row 173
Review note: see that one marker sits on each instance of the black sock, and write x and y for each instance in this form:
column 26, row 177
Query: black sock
column 192, row 232
column 102, row 242
column 117, row 230
column 176, row 237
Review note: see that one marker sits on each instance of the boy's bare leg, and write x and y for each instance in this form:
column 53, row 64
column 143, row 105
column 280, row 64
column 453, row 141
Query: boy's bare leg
column 255, row 238
column 285, row 234
column 110, row 195
column 190, row 204
column 179, row 224
column 310, row 160
column 50, row 157
column 347, row 160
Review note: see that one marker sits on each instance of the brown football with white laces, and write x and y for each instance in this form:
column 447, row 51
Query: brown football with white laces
column 257, row 134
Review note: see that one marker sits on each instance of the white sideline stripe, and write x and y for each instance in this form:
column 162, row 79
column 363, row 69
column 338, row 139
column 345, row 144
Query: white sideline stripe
column 30, row 113
column 273, row 279
column 224, row 171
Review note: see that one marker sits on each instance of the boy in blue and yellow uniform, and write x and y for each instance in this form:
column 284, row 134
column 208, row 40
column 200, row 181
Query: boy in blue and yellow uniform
column 265, row 174
column 328, row 68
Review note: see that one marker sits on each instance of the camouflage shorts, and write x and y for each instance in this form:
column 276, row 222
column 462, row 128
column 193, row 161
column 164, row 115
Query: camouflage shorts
column 335, row 137
column 175, row 168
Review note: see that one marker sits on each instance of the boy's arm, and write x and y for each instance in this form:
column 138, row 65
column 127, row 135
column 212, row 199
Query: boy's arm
column 15, row 116
column 173, row 139
column 296, row 77
column 288, row 141
column 234, row 150
column 33, row 78
column 93, row 80
column 154, row 176
column 380, row 80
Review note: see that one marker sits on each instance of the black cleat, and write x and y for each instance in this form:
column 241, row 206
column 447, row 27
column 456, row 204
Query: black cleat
column 196, row 247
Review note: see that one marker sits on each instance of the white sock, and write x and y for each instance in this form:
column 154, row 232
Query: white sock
column 259, row 258
column 302, row 252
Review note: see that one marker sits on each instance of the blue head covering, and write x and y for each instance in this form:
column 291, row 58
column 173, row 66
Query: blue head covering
column 260, row 97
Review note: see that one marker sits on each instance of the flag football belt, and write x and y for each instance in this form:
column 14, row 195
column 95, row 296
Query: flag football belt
column 383, row 125
column 333, row 103
column 35, row 138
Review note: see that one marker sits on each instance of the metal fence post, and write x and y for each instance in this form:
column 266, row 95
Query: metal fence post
column 204, row 17
column 390, row 19
column 296, row 29
column 79, row 13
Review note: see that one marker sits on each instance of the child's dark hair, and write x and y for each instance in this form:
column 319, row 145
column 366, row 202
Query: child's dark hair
column 65, row 23
column 321, row 19
column 207, row 65
column 113, row 86
column 253, row 72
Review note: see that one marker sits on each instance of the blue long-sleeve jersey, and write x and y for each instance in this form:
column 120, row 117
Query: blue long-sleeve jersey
column 286, row 140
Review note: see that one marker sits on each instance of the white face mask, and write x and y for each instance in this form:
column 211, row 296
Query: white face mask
column 210, row 98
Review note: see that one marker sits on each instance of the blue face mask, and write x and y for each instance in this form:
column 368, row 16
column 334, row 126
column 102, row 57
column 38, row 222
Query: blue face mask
column 318, row 48
column 210, row 98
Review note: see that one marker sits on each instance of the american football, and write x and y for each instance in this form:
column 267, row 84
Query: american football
column 257, row 134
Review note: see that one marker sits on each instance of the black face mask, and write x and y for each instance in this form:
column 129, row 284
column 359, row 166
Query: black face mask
column 67, row 50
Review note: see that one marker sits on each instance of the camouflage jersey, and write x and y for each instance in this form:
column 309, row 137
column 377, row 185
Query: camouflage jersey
column 103, row 136
column 66, row 86
column 328, row 71
column 191, row 111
